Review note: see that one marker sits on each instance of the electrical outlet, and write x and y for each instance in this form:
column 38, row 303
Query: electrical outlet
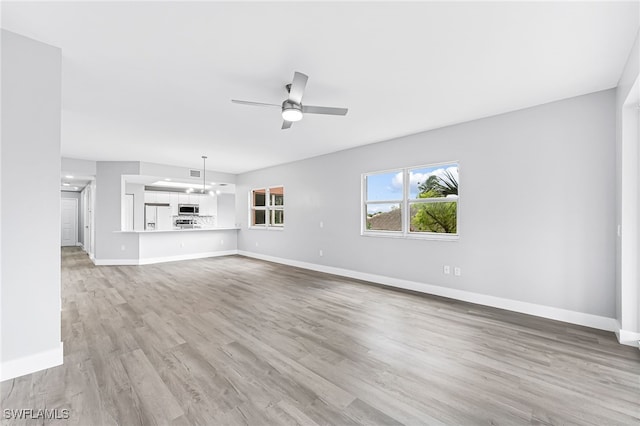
column 457, row 271
column 321, row 254
column 256, row 244
column 446, row 269
column 122, row 247
column 321, row 224
column 221, row 242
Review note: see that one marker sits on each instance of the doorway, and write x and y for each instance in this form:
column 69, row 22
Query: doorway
column 69, row 222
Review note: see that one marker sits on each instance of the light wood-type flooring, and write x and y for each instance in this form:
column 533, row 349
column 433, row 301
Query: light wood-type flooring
column 232, row 340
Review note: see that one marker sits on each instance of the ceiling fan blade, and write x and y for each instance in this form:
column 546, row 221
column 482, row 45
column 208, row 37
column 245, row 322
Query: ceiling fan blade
column 235, row 101
column 297, row 87
column 286, row 124
column 309, row 109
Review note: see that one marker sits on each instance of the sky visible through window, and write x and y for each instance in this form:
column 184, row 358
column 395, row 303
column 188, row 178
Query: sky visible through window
column 388, row 186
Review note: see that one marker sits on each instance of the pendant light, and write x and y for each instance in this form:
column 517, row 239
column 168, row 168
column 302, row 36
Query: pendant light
column 204, row 173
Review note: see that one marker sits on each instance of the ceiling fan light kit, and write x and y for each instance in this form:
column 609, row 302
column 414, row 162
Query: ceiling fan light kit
column 291, row 111
column 292, row 108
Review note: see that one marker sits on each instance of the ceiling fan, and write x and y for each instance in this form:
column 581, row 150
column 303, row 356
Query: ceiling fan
column 292, row 108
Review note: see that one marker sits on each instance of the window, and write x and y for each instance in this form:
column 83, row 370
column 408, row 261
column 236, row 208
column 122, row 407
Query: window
column 267, row 207
column 412, row 202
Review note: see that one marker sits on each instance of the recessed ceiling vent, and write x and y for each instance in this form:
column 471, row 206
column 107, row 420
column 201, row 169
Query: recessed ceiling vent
column 194, row 173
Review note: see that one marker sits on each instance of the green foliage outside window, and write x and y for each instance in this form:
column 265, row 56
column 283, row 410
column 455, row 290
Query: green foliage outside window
column 440, row 217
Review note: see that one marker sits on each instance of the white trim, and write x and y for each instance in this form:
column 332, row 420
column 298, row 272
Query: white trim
column 153, row 260
column 31, row 363
column 412, row 235
column 115, row 262
column 558, row 314
column 626, row 337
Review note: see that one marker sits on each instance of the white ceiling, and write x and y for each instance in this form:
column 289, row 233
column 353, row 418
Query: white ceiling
column 152, row 82
column 72, row 182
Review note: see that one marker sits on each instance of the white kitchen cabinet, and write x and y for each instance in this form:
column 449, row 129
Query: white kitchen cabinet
column 163, row 197
column 208, row 205
column 173, row 200
column 183, row 198
column 194, row 198
column 150, row 197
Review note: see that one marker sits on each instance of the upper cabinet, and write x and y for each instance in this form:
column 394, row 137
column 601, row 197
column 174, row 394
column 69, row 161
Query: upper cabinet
column 208, row 205
column 163, row 197
column 150, row 197
column 183, row 198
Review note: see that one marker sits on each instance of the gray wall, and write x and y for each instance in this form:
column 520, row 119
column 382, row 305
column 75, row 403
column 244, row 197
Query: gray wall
column 137, row 189
column 109, row 186
column 76, row 196
column 30, row 249
column 536, row 211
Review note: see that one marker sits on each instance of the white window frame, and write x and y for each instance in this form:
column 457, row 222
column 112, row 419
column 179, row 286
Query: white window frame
column 267, row 208
column 405, row 204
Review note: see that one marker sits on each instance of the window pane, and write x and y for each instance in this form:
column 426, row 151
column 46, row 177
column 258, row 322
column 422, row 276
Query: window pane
column 259, row 197
column 384, row 217
column 277, row 218
column 434, row 182
column 441, row 217
column 276, row 196
column 259, row 217
column 384, row 186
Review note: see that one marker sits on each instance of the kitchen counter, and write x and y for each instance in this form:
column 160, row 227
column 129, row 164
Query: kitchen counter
column 169, row 245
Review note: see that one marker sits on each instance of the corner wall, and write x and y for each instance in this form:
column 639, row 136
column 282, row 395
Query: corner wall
column 109, row 244
column 628, row 199
column 30, row 262
column 536, row 212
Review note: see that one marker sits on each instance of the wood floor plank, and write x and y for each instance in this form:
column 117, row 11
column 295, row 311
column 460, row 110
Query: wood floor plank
column 159, row 403
column 237, row 341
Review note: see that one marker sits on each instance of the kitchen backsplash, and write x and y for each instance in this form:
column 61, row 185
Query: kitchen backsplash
column 197, row 220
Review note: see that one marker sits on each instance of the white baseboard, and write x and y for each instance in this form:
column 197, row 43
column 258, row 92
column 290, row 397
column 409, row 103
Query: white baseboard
column 625, row 337
column 31, row 363
column 152, row 260
column 115, row 262
column 572, row 317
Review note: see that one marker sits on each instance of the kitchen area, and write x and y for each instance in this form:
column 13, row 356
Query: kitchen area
column 178, row 219
column 173, row 211
column 161, row 204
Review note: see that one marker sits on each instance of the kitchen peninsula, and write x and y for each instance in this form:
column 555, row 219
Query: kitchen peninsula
column 181, row 244
column 165, row 220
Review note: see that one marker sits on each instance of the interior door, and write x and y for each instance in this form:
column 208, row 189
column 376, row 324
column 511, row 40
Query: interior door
column 87, row 218
column 69, row 219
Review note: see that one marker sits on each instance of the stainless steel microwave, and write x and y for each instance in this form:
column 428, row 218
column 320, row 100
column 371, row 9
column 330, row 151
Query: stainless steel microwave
column 188, row 209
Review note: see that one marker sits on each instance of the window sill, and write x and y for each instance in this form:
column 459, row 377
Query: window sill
column 267, row 228
column 400, row 235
